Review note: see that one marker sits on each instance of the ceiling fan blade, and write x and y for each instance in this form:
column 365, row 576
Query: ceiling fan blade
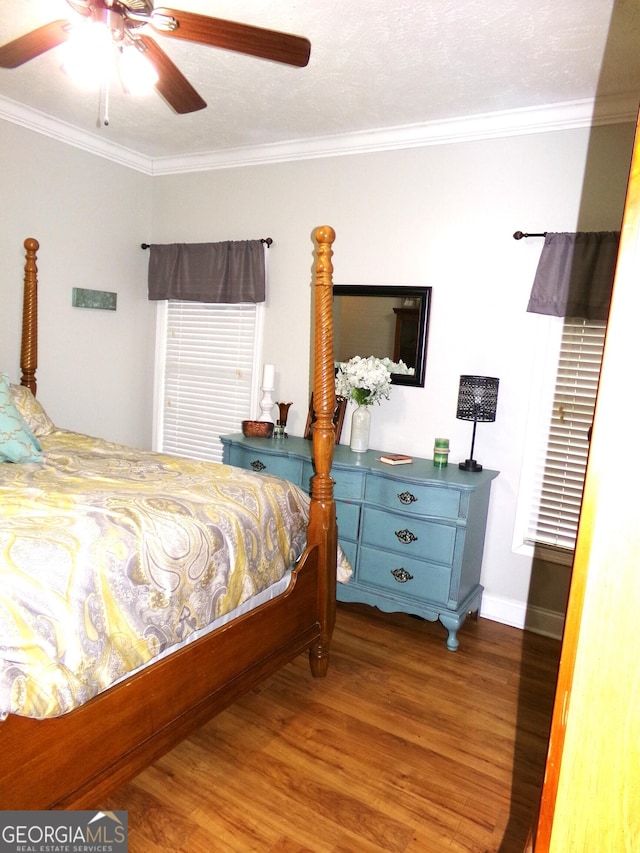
column 172, row 84
column 38, row 41
column 241, row 38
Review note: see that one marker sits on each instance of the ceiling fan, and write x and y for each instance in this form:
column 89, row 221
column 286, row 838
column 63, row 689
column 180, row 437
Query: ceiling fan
column 127, row 21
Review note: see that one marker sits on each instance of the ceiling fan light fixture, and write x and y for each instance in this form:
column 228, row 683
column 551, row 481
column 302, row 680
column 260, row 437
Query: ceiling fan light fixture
column 88, row 54
column 94, row 50
column 137, row 74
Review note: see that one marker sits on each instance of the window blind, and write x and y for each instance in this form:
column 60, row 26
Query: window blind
column 561, row 459
column 208, row 375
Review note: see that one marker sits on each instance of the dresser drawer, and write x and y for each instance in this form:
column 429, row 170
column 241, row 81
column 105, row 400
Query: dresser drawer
column 351, row 551
column 405, row 576
column 348, row 519
column 349, row 484
column 413, row 537
column 256, row 460
column 413, row 498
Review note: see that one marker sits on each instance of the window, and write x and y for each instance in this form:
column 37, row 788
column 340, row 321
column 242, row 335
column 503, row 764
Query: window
column 207, row 377
column 559, row 456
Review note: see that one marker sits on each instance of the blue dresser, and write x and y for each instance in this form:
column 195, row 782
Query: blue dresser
column 414, row 534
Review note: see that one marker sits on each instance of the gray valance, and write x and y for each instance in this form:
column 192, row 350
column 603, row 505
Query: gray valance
column 575, row 275
column 231, row 271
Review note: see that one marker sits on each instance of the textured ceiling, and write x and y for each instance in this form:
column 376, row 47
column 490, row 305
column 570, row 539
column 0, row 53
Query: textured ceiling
column 374, row 64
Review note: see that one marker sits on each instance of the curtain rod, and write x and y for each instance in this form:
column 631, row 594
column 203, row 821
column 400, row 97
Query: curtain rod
column 520, row 234
column 266, row 240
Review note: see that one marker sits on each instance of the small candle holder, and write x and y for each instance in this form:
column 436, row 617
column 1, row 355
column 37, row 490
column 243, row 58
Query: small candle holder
column 266, row 405
column 441, row 452
column 267, row 387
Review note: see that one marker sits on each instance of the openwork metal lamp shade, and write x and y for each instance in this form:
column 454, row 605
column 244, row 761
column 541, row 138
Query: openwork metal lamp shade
column 477, row 402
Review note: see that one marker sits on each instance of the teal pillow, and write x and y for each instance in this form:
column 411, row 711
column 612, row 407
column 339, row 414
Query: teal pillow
column 17, row 442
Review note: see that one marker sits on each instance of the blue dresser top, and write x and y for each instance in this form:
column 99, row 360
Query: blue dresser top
column 420, row 470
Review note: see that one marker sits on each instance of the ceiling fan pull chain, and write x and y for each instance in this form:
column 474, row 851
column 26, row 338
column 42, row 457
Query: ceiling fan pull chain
column 105, row 119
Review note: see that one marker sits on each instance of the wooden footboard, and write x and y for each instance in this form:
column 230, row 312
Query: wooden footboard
column 75, row 760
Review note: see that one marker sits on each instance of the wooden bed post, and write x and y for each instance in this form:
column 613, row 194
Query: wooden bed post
column 322, row 519
column 29, row 347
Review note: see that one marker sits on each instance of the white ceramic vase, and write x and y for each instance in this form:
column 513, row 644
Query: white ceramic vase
column 360, row 426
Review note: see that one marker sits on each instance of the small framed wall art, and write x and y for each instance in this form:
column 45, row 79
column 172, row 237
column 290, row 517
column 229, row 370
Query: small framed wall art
column 104, row 299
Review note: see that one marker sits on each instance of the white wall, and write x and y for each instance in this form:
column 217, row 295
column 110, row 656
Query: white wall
column 90, row 216
column 442, row 216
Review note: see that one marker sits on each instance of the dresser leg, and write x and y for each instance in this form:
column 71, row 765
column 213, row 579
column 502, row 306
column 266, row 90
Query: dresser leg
column 452, row 623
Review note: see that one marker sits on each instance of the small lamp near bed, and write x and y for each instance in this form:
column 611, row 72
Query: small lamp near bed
column 477, row 402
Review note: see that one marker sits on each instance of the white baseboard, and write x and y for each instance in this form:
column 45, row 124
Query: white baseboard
column 508, row 611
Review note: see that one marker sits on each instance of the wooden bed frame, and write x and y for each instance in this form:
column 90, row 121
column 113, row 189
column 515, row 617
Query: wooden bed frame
column 75, row 760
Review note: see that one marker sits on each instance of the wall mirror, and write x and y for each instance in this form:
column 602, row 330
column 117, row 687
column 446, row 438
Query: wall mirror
column 384, row 321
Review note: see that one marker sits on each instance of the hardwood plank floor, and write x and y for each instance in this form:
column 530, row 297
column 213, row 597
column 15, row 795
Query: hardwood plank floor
column 403, row 747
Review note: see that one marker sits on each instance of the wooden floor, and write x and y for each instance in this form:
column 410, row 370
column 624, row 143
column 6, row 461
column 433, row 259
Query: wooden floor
column 403, row 747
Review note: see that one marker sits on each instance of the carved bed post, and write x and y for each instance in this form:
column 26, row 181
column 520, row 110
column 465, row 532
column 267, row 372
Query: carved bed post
column 29, row 347
column 322, row 520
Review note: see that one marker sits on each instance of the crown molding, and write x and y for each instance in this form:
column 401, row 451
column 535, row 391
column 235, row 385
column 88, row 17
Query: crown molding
column 61, row 131
column 556, row 117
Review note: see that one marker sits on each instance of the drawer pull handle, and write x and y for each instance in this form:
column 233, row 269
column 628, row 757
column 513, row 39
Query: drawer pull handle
column 407, row 498
column 401, row 575
column 406, row 536
column 257, row 465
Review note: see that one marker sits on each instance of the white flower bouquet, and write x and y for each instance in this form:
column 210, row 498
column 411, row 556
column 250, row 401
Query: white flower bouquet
column 365, row 380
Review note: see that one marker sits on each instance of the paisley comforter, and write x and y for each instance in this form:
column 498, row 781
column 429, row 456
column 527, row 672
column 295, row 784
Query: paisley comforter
column 109, row 556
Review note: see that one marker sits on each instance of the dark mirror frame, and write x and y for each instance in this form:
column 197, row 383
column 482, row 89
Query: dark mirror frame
column 423, row 297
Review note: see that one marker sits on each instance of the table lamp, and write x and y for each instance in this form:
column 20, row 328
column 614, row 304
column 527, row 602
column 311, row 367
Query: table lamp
column 477, row 402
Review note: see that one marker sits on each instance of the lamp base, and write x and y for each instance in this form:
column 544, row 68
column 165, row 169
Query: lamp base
column 470, row 465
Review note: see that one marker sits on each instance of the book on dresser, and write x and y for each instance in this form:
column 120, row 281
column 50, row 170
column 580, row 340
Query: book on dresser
column 414, row 534
column 396, row 459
